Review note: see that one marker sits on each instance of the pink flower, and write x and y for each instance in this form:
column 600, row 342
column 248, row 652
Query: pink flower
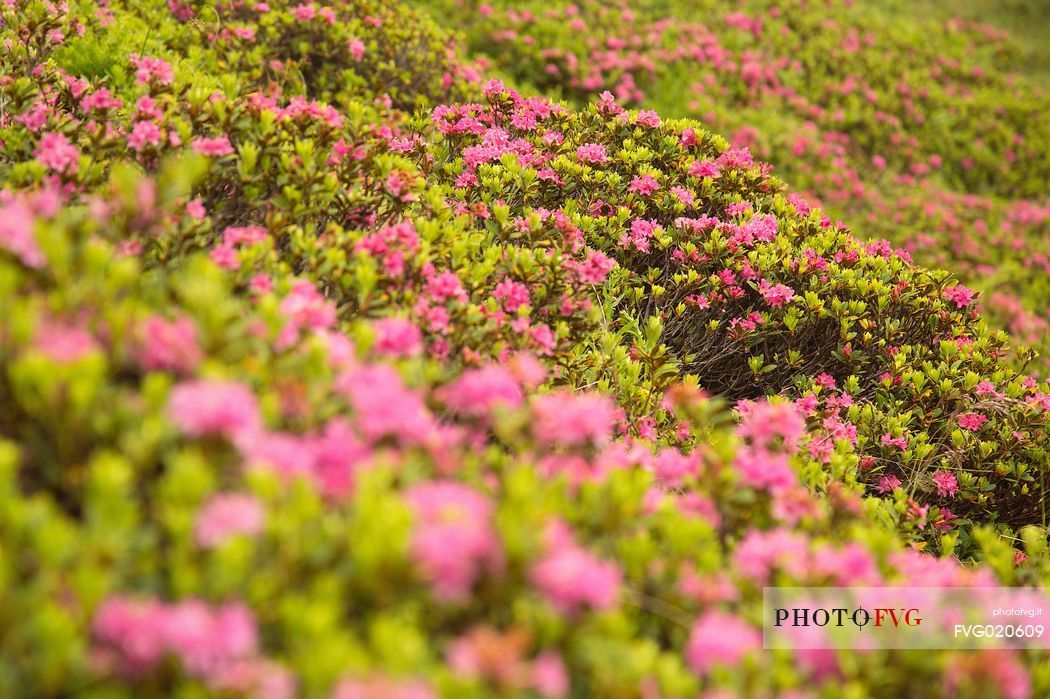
column 591, row 153
column 899, row 442
column 244, row 235
column 207, row 639
column 384, row 407
column 569, row 419
column 453, row 540
column 671, row 467
column 543, row 338
column 171, row 345
column 152, row 69
column 718, row 638
column 63, row 342
column 987, row 388
column 704, row 168
column 826, row 380
column 648, row 117
column 571, row 578
column 444, row 286
column 849, row 564
column 17, row 234
column 776, row 295
column 34, row 118
column 304, row 307
column 214, row 147
column 337, row 456
column 356, row 48
column 686, row 196
column 478, row 391
column 225, row 256
column 760, row 552
column 643, row 185
column 945, row 483
column 144, row 133
column 286, row 454
column 887, row 484
column 595, row 268
column 759, row 469
column 959, row 295
column 763, row 423
column 55, row 152
column 527, row 369
column 972, row 421
column 549, row 676
column 640, row 234
column 397, row 337
column 304, row 13
column 214, row 407
column 513, row 294
column 226, row 515
column 261, row 284
column 134, row 630
column 210, row 641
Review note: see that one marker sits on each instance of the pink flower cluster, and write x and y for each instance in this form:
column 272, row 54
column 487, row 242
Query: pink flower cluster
column 397, row 337
column 972, row 421
column 214, row 407
column 227, row 515
column 55, row 152
column 454, row 541
column 304, row 308
column 720, row 639
column 17, row 234
column 571, row 578
column 591, row 153
column 776, row 295
column 945, row 484
column 562, row 418
column 171, row 345
column 149, row 70
column 213, row 643
column 477, row 392
column 214, row 147
column 959, row 295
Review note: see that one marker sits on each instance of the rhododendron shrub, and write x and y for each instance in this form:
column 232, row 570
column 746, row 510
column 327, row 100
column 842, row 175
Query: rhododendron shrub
column 254, row 523
column 472, row 227
column 756, row 294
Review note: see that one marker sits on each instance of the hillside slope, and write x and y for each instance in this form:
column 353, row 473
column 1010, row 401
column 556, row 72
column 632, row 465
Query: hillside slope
column 331, row 367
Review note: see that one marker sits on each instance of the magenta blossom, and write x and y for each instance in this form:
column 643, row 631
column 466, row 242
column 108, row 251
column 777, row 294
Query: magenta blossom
column 591, row 153
column 718, row 638
column 945, row 483
column 972, row 421
column 227, row 515
column 214, row 407
column 454, row 541
column 959, row 295
column 55, row 152
column 570, row 577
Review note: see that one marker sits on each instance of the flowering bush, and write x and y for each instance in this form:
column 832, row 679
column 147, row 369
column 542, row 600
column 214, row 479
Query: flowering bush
column 303, row 393
column 209, row 525
column 918, row 132
column 755, row 293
